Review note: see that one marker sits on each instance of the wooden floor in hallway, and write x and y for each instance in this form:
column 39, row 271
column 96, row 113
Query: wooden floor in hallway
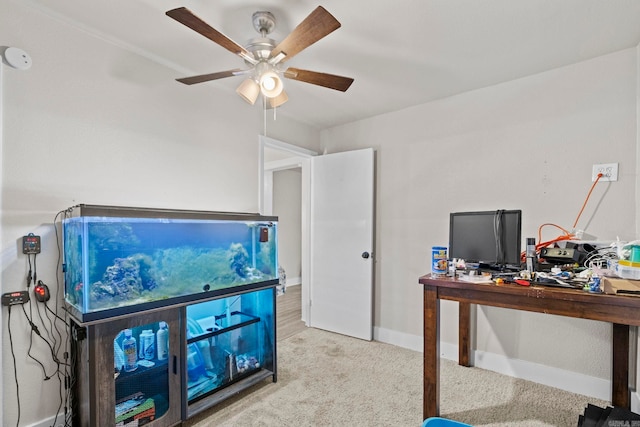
column 289, row 313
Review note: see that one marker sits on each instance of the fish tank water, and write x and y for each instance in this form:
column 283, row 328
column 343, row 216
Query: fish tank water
column 120, row 260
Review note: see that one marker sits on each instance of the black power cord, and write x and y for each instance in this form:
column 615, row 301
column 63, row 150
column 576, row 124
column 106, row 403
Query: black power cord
column 68, row 380
column 59, row 373
column 55, row 339
column 49, row 331
column 35, row 329
column 30, row 273
column 15, row 368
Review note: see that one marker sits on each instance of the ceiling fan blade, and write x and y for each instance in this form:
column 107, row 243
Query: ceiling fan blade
column 317, row 25
column 208, row 77
column 321, row 79
column 188, row 18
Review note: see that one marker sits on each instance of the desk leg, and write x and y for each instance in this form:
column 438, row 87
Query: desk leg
column 431, row 380
column 464, row 333
column 620, row 376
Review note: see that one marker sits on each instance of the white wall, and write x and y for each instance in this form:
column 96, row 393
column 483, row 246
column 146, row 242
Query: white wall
column 527, row 144
column 287, row 206
column 93, row 123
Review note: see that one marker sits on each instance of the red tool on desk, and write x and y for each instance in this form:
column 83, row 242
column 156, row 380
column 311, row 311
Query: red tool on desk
column 500, row 281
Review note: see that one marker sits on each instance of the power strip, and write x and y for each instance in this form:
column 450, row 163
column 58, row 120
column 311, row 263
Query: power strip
column 15, row 298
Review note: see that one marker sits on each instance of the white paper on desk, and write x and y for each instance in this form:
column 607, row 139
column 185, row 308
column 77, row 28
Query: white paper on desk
column 475, row 279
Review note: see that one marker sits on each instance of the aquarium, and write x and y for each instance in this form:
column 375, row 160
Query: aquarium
column 120, row 260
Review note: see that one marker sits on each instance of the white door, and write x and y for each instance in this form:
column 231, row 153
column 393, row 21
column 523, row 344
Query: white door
column 342, row 243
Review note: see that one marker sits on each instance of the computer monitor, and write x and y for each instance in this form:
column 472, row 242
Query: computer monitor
column 490, row 238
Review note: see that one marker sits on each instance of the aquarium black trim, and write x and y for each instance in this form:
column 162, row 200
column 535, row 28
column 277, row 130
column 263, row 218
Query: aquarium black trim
column 125, row 311
column 141, row 212
column 206, row 335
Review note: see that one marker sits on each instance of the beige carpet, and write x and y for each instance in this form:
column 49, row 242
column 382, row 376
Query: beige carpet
column 326, row 379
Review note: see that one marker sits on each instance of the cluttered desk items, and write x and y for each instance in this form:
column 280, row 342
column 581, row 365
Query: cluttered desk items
column 485, row 247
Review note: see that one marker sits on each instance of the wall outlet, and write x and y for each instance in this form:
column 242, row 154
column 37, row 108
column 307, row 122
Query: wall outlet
column 609, row 172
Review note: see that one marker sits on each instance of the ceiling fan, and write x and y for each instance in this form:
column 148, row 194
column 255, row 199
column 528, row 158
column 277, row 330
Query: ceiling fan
column 264, row 58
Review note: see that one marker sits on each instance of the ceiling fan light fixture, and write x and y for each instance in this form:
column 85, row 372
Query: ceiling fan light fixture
column 278, row 100
column 271, row 84
column 249, row 91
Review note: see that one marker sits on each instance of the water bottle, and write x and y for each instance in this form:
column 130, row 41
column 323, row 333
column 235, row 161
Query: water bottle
column 147, row 350
column 130, row 349
column 162, row 341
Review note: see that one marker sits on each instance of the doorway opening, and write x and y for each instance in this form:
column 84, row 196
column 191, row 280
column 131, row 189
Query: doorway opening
column 294, row 163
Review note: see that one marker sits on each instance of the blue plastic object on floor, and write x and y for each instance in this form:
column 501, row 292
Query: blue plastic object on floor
column 442, row 422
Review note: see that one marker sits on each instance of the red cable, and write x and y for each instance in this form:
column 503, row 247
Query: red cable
column 567, row 235
column 587, row 199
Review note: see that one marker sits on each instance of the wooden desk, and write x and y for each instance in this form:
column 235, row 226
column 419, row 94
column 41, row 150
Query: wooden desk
column 621, row 311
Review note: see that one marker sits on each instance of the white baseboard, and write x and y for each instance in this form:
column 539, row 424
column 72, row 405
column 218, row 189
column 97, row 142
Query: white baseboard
column 559, row 378
column 635, row 402
column 294, row 281
column 48, row 422
column 573, row 382
column 401, row 339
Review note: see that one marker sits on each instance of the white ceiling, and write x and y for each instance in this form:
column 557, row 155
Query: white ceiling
column 401, row 53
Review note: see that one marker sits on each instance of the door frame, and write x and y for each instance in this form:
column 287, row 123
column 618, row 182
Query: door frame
column 300, row 158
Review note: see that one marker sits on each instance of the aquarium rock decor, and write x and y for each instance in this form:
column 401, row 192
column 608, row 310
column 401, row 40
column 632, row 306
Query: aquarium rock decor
column 239, row 259
column 122, row 280
column 282, row 281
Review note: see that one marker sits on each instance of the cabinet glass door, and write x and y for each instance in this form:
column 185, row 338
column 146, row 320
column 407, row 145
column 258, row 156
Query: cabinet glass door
column 228, row 340
column 141, row 372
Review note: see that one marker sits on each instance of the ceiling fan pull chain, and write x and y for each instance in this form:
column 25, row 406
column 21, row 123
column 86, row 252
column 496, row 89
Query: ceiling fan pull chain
column 264, row 114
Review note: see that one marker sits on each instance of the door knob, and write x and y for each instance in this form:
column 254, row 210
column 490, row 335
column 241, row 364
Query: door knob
column 365, row 254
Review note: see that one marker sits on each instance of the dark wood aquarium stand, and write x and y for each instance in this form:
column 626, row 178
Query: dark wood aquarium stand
column 97, row 388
